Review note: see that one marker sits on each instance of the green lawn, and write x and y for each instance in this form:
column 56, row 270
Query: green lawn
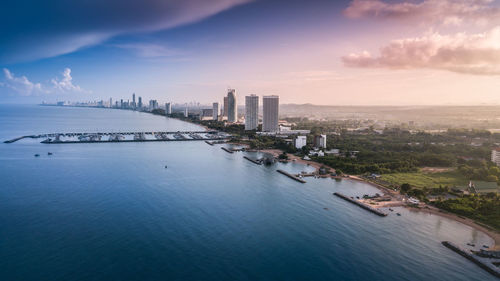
column 430, row 180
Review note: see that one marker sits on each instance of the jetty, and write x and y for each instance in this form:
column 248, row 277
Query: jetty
column 104, row 137
column 291, row 176
column 227, row 150
column 258, row 162
column 484, row 263
column 362, row 205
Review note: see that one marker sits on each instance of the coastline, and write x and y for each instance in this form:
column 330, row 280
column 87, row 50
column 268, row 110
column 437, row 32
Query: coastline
column 493, row 234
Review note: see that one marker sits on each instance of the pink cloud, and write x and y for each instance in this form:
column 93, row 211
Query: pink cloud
column 448, row 12
column 463, row 53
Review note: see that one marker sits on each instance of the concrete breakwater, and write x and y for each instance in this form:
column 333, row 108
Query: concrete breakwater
column 291, row 176
column 227, row 150
column 484, row 263
column 362, row 205
column 258, row 162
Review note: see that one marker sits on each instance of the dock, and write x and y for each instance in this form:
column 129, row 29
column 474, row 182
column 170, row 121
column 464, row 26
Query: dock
column 258, row 162
column 104, row 137
column 227, row 150
column 291, row 176
column 210, row 143
column 362, row 205
column 484, row 263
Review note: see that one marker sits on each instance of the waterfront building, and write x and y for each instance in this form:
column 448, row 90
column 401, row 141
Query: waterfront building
column 232, row 106
column 168, row 108
column 251, row 112
column 186, row 113
column 225, row 107
column 153, row 104
column 133, row 101
column 270, row 113
column 139, row 103
column 300, row 142
column 495, row 156
column 121, row 103
column 320, row 141
column 110, row 102
column 215, row 109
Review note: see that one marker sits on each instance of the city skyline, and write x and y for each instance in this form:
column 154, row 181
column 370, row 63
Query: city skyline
column 361, row 52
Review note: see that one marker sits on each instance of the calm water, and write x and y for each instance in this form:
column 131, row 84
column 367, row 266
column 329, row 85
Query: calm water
column 112, row 212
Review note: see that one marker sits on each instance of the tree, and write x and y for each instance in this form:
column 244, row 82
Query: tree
column 405, row 187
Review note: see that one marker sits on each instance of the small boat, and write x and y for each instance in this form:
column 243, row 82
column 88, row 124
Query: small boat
column 49, row 153
column 484, row 246
column 37, row 155
column 357, row 197
column 325, row 209
column 398, row 214
column 165, row 166
column 391, row 209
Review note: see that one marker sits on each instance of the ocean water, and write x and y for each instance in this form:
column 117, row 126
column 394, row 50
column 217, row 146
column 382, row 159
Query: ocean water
column 113, row 212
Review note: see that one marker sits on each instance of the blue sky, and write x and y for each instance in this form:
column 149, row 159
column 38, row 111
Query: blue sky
column 316, row 51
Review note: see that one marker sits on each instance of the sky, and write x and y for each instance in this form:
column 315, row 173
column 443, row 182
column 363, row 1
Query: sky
column 338, row 52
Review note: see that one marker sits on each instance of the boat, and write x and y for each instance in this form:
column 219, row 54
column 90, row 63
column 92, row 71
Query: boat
column 398, row 214
column 165, row 166
column 391, row 209
column 37, row 155
column 49, row 153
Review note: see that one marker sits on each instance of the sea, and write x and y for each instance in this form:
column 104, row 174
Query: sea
column 112, row 211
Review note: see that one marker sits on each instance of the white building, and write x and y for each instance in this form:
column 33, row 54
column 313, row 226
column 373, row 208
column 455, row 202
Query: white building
column 320, row 141
column 232, row 106
column 251, row 112
column 495, row 156
column 300, row 142
column 168, row 108
column 186, row 113
column 270, row 113
column 215, row 108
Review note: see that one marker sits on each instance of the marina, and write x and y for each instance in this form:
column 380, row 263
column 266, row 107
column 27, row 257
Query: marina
column 364, row 206
column 255, row 161
column 105, row 137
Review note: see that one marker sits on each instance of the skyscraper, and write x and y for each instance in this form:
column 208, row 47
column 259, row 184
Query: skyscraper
column 320, row 141
column 270, row 113
column 225, row 107
column 139, row 103
column 168, row 108
column 215, row 107
column 186, row 113
column 251, row 112
column 232, row 106
column 133, row 101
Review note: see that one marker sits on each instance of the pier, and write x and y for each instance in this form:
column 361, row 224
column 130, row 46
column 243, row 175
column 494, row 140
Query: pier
column 104, row 137
column 258, row 162
column 291, row 176
column 227, row 150
column 484, row 263
column 364, row 206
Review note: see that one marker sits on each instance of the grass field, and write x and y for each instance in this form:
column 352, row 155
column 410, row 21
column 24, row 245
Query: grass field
column 430, row 180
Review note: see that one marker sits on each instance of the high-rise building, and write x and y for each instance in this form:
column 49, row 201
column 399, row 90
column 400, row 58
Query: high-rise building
column 270, row 113
column 215, row 108
column 134, row 105
column 300, row 142
column 320, row 141
column 153, row 104
column 251, row 112
column 225, row 107
column 186, row 113
column 495, row 156
column 121, row 103
column 168, row 108
column 110, row 102
column 232, row 106
column 139, row 103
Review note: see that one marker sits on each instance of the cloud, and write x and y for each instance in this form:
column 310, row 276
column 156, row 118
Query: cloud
column 66, row 84
column 447, row 12
column 149, row 50
column 20, row 85
column 24, row 87
column 82, row 23
column 463, row 53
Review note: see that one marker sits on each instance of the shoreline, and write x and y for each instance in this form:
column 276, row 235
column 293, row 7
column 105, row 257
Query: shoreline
column 493, row 234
